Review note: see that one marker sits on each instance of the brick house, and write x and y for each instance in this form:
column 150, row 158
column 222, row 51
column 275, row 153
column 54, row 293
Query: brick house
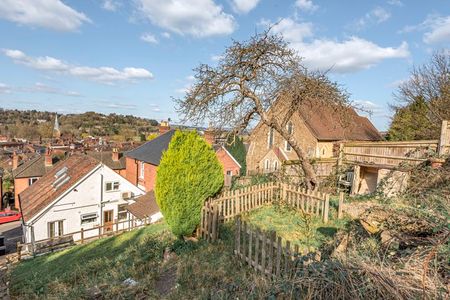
column 317, row 130
column 142, row 162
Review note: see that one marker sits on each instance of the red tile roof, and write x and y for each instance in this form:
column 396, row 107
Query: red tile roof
column 38, row 196
column 145, row 206
column 328, row 123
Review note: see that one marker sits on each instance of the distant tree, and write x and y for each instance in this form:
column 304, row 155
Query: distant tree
column 151, row 136
column 250, row 78
column 411, row 123
column 426, row 92
column 189, row 173
column 236, row 147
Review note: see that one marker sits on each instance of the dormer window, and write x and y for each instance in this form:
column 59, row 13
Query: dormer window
column 270, row 138
column 290, row 130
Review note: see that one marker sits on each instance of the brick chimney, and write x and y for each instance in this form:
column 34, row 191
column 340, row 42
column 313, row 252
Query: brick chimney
column 15, row 160
column 164, row 127
column 48, row 157
column 115, row 154
column 210, row 136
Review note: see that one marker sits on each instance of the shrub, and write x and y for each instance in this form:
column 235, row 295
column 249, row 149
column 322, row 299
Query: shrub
column 188, row 174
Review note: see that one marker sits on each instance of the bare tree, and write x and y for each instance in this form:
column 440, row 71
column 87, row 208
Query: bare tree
column 429, row 83
column 261, row 79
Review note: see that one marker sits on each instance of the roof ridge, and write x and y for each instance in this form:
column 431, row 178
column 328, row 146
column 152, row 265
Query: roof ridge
column 31, row 162
column 125, row 153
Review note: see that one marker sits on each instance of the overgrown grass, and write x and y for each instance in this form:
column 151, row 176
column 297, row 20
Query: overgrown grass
column 67, row 274
column 308, row 232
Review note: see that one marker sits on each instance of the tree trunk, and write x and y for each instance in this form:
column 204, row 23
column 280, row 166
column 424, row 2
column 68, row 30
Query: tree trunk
column 310, row 175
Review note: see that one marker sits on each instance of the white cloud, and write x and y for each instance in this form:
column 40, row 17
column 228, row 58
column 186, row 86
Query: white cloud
column 216, row 57
column 439, row 30
column 350, row 55
column 375, row 16
column 244, row 6
column 51, row 14
column 44, row 88
column 4, row 88
column 166, row 35
column 149, row 38
column 110, row 5
column 99, row 74
column 395, row 2
column 306, row 5
column 291, row 30
column 436, row 28
column 198, row 18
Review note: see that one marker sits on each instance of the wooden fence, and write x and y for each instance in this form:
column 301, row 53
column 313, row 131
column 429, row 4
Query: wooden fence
column 233, row 203
column 266, row 252
column 82, row 236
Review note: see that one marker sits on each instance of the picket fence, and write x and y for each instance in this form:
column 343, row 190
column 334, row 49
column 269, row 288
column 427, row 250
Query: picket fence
column 230, row 204
column 267, row 253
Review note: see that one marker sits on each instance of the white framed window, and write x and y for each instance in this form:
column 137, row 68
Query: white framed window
column 275, row 165
column 55, row 229
column 290, row 130
column 270, row 138
column 88, row 218
column 266, row 164
column 112, row 186
column 32, row 180
column 141, row 170
column 122, row 212
column 229, row 172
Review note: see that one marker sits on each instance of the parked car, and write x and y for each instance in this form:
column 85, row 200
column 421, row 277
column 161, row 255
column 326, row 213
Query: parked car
column 7, row 216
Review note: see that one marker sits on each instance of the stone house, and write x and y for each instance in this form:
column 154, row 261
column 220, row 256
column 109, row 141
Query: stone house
column 317, row 129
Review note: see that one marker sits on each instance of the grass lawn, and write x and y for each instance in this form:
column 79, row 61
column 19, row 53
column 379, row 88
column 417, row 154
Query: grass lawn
column 108, row 261
column 291, row 225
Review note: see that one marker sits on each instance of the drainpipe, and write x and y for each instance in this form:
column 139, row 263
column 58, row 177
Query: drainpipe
column 101, row 199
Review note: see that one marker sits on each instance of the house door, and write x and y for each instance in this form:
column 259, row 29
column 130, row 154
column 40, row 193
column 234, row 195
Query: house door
column 108, row 220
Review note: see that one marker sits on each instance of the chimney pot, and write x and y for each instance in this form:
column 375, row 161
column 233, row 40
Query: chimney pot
column 115, row 154
column 15, row 160
column 48, row 158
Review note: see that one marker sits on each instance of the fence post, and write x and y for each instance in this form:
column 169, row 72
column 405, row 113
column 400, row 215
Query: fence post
column 263, row 253
column 19, row 251
column 215, row 220
column 117, row 226
column 278, row 262
column 237, row 247
column 327, row 208
column 272, row 237
column 82, row 235
column 341, row 204
column 443, row 138
column 287, row 258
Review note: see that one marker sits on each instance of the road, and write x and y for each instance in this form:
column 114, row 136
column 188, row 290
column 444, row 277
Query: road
column 13, row 234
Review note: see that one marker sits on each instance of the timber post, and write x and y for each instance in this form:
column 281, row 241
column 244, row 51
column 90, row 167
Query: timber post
column 341, row 204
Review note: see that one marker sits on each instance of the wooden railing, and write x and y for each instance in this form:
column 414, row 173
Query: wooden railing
column 265, row 252
column 388, row 153
column 233, row 203
column 82, row 236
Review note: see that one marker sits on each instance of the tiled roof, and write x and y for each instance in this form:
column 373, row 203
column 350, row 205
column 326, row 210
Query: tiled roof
column 106, row 158
column 34, row 167
column 328, row 124
column 151, row 152
column 38, row 196
column 145, row 206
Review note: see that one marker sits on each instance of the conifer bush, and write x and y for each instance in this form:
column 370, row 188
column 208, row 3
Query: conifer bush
column 189, row 173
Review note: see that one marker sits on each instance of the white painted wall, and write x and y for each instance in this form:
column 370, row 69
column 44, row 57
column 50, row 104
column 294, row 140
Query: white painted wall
column 86, row 196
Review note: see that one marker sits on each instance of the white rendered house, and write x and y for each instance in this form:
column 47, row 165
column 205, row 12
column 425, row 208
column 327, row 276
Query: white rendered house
column 78, row 193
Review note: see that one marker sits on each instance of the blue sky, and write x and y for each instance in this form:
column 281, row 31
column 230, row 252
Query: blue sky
column 132, row 57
